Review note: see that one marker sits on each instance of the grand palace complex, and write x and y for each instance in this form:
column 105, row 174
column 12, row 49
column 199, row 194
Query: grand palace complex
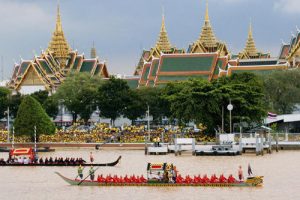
column 207, row 57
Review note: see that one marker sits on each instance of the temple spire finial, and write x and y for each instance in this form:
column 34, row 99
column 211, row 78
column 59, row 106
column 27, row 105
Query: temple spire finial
column 93, row 51
column 58, row 19
column 206, row 12
column 58, row 44
column 250, row 34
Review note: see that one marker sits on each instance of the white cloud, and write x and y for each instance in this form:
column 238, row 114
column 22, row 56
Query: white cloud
column 16, row 15
column 287, row 6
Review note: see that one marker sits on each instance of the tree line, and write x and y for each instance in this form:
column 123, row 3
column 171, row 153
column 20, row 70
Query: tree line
column 195, row 100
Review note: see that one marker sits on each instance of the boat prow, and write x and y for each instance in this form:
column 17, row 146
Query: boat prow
column 255, row 180
column 77, row 181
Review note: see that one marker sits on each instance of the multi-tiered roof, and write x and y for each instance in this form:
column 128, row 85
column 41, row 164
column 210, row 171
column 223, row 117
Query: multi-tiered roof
column 48, row 70
column 250, row 51
column 162, row 46
column 291, row 51
column 58, row 44
column 207, row 42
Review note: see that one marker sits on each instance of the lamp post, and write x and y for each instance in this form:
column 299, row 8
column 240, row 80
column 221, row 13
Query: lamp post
column 148, row 115
column 61, row 111
column 35, row 140
column 13, row 138
column 230, row 108
column 8, row 124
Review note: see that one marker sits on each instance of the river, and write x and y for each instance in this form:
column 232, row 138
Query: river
column 281, row 171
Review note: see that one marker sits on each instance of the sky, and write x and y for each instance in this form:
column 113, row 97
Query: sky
column 121, row 29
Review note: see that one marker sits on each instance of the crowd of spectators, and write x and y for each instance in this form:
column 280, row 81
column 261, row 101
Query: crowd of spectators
column 102, row 133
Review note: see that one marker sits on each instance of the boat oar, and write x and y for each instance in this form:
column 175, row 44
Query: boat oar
column 88, row 176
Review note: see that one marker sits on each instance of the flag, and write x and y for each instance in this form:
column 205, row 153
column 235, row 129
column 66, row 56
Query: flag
column 272, row 115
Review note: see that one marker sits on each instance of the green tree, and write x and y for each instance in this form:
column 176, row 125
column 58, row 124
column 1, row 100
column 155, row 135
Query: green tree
column 4, row 100
column 135, row 107
column 113, row 97
column 87, row 98
column 153, row 97
column 245, row 91
column 196, row 101
column 41, row 96
column 14, row 103
column 51, row 106
column 49, row 103
column 78, row 94
column 281, row 89
column 31, row 114
column 201, row 102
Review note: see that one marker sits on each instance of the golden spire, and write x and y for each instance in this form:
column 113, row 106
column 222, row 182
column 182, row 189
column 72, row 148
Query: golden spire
column 59, row 45
column 206, row 12
column 58, row 21
column 207, row 36
column 93, row 51
column 163, row 43
column 250, row 44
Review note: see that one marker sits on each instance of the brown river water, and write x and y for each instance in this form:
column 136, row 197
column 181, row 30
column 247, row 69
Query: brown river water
column 281, row 171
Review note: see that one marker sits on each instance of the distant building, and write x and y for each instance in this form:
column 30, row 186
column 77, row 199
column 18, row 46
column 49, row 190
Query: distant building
column 48, row 70
column 289, row 123
column 207, row 58
column 250, row 51
column 207, row 42
column 162, row 46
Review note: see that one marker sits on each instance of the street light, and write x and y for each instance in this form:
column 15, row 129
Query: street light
column 230, row 108
column 61, row 111
column 8, row 125
column 148, row 113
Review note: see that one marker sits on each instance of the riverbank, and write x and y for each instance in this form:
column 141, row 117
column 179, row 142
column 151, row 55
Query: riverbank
column 284, row 145
column 137, row 146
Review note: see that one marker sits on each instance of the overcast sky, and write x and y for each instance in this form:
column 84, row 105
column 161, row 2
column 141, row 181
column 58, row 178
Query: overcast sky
column 122, row 28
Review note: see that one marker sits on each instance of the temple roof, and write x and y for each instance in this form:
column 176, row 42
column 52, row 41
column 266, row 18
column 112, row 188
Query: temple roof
column 250, row 44
column 207, row 42
column 93, row 51
column 250, row 51
column 207, row 36
column 42, row 70
column 58, row 44
column 163, row 43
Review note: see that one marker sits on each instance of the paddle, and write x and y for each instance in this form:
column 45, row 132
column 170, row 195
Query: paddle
column 88, row 176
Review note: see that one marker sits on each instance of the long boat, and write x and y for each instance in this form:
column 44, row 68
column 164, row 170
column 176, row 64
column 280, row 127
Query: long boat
column 249, row 182
column 165, row 181
column 111, row 164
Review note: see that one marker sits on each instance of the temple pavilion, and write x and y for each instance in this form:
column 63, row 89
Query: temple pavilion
column 291, row 52
column 162, row 46
column 207, row 58
column 49, row 69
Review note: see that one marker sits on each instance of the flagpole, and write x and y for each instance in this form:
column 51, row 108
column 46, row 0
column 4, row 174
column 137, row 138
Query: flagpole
column 13, row 138
column 35, row 139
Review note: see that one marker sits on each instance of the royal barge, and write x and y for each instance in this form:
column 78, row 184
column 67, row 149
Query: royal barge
column 165, row 175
